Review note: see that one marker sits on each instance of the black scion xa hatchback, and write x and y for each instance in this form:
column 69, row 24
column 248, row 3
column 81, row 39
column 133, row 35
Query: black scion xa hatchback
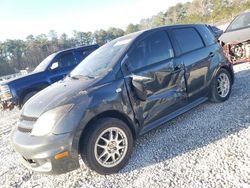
column 122, row 90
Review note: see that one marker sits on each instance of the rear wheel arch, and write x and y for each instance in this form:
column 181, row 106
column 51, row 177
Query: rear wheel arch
column 214, row 96
column 217, row 69
column 230, row 71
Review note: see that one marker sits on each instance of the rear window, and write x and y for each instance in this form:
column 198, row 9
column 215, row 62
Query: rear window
column 66, row 60
column 207, row 35
column 85, row 52
column 188, row 39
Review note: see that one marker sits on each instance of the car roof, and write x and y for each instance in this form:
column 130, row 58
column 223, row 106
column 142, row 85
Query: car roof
column 173, row 27
column 78, row 48
column 138, row 33
column 165, row 27
column 244, row 12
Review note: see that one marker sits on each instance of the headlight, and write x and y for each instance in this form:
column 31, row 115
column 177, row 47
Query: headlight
column 5, row 93
column 49, row 119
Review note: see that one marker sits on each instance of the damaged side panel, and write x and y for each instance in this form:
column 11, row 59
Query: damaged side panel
column 165, row 91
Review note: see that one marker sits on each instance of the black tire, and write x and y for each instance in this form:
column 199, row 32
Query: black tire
column 93, row 133
column 28, row 96
column 215, row 95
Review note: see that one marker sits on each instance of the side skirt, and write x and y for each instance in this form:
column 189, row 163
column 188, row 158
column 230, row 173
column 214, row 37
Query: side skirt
column 172, row 115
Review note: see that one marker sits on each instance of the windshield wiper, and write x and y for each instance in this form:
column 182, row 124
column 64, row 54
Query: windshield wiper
column 77, row 77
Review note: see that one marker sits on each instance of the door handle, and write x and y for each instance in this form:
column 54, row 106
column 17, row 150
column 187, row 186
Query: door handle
column 177, row 68
column 211, row 54
column 140, row 78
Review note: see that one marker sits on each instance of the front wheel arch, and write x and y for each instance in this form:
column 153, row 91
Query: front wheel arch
column 91, row 142
column 110, row 114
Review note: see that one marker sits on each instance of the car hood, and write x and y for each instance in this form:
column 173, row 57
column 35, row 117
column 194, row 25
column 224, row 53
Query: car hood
column 236, row 36
column 61, row 93
column 27, row 77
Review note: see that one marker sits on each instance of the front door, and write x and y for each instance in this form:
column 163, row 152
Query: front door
column 155, row 79
column 66, row 63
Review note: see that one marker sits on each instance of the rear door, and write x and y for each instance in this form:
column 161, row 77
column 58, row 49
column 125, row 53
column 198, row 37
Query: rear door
column 155, row 80
column 196, row 58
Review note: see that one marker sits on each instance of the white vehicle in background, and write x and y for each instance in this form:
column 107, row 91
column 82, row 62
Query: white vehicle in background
column 236, row 39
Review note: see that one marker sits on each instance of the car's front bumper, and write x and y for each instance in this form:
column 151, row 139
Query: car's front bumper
column 38, row 153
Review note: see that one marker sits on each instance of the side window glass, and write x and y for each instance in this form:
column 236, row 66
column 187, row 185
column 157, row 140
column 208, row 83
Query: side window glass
column 138, row 57
column 66, row 60
column 188, row 39
column 155, row 48
column 208, row 36
column 84, row 53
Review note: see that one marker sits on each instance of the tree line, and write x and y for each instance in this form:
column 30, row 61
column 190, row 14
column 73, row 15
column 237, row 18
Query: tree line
column 16, row 55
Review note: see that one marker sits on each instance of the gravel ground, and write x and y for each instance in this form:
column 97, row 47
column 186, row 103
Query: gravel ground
column 206, row 147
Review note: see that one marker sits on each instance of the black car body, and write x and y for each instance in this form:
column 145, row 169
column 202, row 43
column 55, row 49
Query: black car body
column 215, row 30
column 121, row 91
column 52, row 69
column 236, row 39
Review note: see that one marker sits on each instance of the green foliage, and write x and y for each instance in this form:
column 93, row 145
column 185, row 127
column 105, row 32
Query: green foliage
column 20, row 54
column 131, row 28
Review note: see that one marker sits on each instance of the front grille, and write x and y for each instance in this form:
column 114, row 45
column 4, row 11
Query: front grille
column 25, row 124
column 27, row 118
column 24, row 130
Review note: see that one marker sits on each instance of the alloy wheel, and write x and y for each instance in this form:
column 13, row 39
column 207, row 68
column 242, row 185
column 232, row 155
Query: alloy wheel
column 223, row 85
column 111, row 147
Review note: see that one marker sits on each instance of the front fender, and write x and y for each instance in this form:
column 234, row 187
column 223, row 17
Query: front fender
column 110, row 97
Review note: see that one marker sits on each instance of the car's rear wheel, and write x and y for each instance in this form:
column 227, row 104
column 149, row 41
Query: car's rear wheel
column 107, row 145
column 221, row 86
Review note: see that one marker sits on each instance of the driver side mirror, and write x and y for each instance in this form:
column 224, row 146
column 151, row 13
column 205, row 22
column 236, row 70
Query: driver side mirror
column 54, row 66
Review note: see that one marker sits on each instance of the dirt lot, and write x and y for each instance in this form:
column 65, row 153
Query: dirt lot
column 206, row 147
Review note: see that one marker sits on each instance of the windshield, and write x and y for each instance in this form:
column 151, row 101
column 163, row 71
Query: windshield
column 102, row 60
column 240, row 22
column 44, row 64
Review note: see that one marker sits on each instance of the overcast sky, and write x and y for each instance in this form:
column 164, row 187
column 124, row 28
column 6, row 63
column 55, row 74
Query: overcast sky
column 20, row 18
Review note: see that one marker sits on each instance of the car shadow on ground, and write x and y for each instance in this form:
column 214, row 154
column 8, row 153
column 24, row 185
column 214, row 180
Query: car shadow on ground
column 204, row 125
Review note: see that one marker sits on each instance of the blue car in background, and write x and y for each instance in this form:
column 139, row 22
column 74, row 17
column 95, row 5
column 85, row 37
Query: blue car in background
column 55, row 67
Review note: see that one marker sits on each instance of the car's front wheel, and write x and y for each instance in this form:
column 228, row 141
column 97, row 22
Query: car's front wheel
column 221, row 86
column 107, row 145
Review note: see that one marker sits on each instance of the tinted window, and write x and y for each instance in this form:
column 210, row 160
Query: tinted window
column 85, row 52
column 153, row 49
column 188, row 39
column 44, row 64
column 240, row 22
column 66, row 60
column 208, row 36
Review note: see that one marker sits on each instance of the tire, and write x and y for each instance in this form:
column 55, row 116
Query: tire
column 221, row 86
column 93, row 139
column 28, row 96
